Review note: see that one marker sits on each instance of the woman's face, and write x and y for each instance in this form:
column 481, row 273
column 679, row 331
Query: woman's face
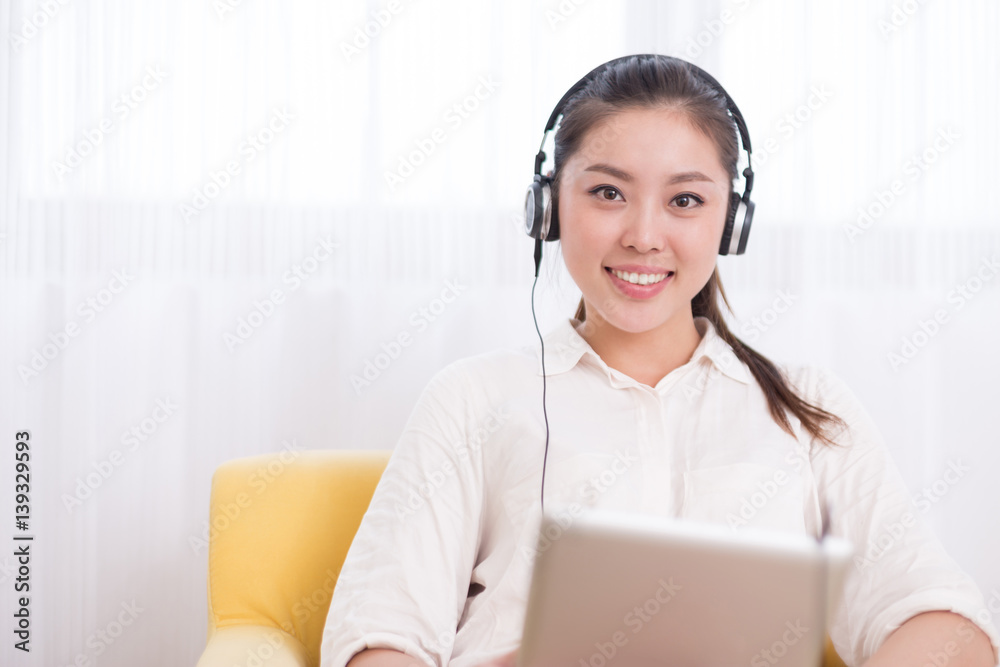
column 642, row 205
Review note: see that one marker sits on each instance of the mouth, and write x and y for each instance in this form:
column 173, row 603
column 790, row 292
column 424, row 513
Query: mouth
column 639, row 285
column 635, row 278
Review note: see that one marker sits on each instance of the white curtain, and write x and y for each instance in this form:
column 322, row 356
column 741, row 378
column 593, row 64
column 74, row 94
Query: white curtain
column 218, row 216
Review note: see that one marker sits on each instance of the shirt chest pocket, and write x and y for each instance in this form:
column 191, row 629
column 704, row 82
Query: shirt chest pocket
column 745, row 495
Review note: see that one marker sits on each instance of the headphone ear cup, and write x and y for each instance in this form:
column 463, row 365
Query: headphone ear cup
column 540, row 219
column 737, row 229
column 727, row 231
column 533, row 209
column 744, row 228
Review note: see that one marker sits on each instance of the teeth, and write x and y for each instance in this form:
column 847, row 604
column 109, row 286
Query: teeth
column 640, row 278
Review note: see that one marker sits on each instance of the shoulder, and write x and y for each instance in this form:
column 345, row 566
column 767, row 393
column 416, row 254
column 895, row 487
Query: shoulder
column 494, row 372
column 497, row 364
column 811, row 381
column 818, row 385
column 472, row 391
column 563, row 348
column 825, row 389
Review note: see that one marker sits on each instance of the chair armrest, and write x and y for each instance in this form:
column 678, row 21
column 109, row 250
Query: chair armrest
column 253, row 645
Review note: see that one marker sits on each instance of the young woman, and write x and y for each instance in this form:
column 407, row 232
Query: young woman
column 653, row 406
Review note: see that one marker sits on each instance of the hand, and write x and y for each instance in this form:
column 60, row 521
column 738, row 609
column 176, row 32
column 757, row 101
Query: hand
column 505, row 660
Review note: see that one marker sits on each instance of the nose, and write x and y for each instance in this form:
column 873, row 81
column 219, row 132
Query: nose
column 645, row 228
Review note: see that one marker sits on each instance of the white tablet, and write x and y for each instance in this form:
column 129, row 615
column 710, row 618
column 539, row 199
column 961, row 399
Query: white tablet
column 633, row 590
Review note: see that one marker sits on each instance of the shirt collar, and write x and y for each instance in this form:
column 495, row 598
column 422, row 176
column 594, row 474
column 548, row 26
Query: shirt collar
column 565, row 348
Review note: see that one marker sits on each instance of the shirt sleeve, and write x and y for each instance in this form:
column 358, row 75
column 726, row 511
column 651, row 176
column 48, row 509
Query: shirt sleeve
column 405, row 579
column 900, row 568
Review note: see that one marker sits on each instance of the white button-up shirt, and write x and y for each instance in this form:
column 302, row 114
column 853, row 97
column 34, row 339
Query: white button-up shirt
column 441, row 564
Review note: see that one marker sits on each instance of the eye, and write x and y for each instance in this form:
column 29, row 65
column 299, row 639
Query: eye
column 688, row 200
column 607, row 193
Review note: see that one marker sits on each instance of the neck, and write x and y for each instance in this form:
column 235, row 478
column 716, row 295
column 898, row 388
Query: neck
column 647, row 356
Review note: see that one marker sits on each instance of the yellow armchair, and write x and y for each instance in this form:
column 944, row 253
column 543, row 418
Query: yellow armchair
column 280, row 527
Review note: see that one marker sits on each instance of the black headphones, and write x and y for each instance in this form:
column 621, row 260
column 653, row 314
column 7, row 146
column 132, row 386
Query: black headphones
column 541, row 217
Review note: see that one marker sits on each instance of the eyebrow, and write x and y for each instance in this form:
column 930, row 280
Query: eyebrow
column 683, row 177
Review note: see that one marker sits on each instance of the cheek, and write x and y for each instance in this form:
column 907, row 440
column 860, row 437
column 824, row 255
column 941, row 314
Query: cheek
column 699, row 241
column 578, row 237
column 698, row 251
column 577, row 252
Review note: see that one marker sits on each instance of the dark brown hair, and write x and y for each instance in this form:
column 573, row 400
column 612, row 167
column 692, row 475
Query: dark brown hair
column 669, row 83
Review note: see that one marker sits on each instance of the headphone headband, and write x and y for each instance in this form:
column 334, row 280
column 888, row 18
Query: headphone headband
column 734, row 110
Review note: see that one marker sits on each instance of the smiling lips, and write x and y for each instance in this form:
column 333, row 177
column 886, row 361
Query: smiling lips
column 641, row 282
column 640, row 278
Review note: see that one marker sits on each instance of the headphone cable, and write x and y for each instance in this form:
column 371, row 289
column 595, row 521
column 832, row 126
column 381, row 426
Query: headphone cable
column 545, row 414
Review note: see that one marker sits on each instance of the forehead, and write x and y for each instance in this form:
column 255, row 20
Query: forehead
column 649, row 136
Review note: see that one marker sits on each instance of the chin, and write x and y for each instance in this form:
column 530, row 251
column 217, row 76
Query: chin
column 642, row 327
column 637, row 322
